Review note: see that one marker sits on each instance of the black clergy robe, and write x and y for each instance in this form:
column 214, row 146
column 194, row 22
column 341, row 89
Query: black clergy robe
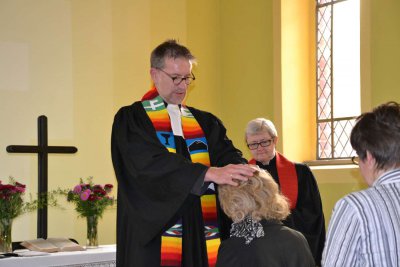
column 307, row 217
column 155, row 187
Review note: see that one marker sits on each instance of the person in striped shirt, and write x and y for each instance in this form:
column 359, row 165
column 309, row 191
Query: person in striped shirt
column 365, row 226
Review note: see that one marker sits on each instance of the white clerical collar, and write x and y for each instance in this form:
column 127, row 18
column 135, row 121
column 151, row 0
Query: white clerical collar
column 175, row 117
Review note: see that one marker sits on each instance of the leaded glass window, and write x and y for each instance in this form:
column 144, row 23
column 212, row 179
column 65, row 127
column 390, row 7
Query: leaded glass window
column 338, row 76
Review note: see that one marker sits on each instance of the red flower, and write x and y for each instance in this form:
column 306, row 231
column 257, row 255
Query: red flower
column 11, row 202
column 108, row 187
column 19, row 185
column 20, row 189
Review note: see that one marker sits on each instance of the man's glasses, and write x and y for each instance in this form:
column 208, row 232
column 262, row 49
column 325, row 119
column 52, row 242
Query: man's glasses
column 266, row 143
column 354, row 160
column 178, row 79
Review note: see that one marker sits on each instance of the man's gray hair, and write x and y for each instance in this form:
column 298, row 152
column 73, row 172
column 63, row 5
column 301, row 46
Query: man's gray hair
column 169, row 49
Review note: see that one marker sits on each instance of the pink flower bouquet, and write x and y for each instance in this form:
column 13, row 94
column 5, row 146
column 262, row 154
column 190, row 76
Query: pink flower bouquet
column 90, row 199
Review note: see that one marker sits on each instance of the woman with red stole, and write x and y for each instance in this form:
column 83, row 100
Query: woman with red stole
column 295, row 181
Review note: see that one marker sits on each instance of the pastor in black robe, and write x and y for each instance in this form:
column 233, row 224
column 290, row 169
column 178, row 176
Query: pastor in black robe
column 156, row 187
column 307, row 217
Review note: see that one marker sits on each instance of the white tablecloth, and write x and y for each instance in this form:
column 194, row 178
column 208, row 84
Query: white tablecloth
column 103, row 256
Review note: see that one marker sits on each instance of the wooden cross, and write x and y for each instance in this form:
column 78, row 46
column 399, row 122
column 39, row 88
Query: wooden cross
column 42, row 149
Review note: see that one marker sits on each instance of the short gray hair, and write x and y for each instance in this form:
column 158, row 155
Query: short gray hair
column 260, row 125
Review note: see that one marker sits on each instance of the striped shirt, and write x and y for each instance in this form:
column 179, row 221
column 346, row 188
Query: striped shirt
column 365, row 226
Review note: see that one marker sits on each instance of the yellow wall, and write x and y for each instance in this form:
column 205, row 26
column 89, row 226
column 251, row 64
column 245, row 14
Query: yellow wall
column 385, row 54
column 246, row 88
column 78, row 61
column 298, row 79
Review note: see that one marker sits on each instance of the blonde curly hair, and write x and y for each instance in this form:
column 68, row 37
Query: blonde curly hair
column 259, row 198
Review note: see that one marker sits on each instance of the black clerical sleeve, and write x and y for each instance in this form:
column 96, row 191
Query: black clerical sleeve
column 154, row 184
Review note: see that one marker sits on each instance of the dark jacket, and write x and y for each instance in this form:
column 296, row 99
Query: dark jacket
column 279, row 247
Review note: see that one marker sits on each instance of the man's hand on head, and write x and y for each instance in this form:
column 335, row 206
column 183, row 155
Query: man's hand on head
column 229, row 174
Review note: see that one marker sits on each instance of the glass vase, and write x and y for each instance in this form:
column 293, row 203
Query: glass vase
column 5, row 235
column 91, row 234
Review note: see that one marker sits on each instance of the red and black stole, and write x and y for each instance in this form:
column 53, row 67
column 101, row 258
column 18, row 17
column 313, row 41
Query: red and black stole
column 171, row 240
column 287, row 176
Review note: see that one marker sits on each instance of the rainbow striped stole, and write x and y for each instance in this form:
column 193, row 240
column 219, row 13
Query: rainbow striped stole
column 171, row 240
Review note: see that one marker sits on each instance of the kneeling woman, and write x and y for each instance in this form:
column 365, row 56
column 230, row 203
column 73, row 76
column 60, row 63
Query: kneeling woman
column 258, row 237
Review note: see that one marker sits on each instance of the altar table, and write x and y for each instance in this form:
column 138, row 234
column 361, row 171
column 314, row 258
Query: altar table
column 103, row 256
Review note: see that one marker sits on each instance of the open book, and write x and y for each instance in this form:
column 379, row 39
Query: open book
column 51, row 245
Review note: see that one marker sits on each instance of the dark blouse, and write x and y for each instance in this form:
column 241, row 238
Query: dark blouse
column 280, row 246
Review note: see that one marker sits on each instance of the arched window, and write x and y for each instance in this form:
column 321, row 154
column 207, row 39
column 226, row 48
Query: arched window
column 338, row 76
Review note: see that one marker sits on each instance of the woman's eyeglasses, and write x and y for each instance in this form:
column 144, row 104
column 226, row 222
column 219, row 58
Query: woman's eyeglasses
column 265, row 143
